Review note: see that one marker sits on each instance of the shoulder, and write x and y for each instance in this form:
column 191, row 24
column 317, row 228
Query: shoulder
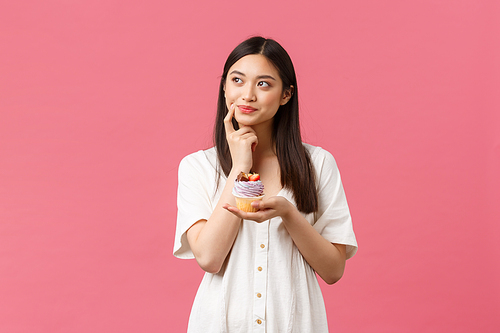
column 201, row 161
column 320, row 157
column 206, row 157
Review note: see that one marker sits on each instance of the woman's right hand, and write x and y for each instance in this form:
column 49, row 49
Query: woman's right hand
column 212, row 239
column 242, row 143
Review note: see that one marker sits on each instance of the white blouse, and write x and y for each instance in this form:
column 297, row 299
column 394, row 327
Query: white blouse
column 265, row 285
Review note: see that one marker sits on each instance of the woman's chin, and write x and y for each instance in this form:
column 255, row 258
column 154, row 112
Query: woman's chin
column 244, row 122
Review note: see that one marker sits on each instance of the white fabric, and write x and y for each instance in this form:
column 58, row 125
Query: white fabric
column 263, row 260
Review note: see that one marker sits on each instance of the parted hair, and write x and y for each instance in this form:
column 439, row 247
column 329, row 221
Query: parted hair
column 296, row 169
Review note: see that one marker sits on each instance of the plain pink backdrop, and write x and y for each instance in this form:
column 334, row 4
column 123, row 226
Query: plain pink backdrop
column 100, row 100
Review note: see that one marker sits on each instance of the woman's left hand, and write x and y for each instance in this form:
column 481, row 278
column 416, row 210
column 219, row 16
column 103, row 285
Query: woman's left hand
column 327, row 259
column 272, row 207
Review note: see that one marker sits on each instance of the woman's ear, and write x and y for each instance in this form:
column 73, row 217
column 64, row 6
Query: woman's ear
column 287, row 94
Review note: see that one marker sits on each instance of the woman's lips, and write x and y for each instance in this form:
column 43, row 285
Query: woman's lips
column 246, row 109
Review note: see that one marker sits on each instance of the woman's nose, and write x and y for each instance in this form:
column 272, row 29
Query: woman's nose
column 248, row 94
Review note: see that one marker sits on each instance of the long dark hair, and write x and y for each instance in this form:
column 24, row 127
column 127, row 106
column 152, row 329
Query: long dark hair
column 296, row 169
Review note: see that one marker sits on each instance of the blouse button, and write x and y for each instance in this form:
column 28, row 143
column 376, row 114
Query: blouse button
column 259, row 268
column 259, row 321
column 262, row 246
column 259, row 295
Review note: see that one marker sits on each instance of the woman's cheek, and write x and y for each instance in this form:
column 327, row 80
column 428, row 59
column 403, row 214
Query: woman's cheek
column 229, row 102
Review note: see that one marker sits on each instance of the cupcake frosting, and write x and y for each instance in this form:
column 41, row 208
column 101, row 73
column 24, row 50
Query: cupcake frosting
column 248, row 188
column 248, row 185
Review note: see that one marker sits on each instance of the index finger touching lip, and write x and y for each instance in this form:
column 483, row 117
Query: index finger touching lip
column 227, row 120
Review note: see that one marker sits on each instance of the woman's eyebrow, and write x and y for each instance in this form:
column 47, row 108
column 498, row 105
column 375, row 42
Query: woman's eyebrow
column 258, row 77
column 266, row 77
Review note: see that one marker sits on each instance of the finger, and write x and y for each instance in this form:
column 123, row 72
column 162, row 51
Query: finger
column 251, row 139
column 248, row 136
column 246, row 129
column 261, row 205
column 228, row 124
column 254, row 138
column 233, row 210
column 254, row 141
column 258, row 217
column 269, row 203
column 257, row 204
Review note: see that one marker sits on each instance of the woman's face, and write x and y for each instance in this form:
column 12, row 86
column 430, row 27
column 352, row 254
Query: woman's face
column 254, row 85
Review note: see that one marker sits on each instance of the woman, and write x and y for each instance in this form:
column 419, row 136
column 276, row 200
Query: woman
column 260, row 266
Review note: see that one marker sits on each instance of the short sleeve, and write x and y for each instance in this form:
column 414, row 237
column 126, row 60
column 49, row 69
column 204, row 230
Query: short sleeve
column 333, row 219
column 193, row 200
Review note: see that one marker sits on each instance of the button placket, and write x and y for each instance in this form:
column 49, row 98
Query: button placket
column 260, row 276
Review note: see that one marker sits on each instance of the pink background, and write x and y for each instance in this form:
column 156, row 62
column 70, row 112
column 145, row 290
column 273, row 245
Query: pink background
column 99, row 101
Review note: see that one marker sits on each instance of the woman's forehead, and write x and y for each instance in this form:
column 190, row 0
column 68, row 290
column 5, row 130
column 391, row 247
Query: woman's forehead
column 253, row 65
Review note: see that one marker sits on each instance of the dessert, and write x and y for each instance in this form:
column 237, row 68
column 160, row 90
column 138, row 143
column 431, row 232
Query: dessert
column 247, row 189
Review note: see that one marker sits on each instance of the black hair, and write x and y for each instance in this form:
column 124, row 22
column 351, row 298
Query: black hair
column 296, row 169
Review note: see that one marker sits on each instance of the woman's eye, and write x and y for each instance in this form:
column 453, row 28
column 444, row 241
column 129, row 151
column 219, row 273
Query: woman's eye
column 263, row 84
column 237, row 80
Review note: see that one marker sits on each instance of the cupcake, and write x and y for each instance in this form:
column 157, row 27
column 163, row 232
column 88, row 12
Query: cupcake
column 247, row 189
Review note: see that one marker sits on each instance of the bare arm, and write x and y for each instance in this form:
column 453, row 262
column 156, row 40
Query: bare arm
column 212, row 239
column 327, row 259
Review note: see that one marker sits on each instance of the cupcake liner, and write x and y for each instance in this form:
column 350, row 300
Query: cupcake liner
column 245, row 203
